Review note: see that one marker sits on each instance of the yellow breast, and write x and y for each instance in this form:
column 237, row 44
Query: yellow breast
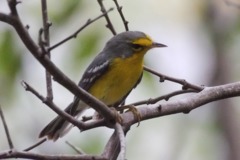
column 119, row 80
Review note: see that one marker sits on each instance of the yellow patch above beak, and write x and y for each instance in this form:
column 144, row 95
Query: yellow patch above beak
column 147, row 41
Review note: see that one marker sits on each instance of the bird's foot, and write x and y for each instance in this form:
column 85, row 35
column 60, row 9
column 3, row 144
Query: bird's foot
column 133, row 109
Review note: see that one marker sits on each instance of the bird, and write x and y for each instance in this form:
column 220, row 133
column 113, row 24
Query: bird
column 110, row 77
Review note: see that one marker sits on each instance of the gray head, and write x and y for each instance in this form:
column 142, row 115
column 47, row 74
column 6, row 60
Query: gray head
column 127, row 43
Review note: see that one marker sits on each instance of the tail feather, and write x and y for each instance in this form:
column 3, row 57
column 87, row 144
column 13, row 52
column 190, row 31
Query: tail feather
column 58, row 127
column 54, row 128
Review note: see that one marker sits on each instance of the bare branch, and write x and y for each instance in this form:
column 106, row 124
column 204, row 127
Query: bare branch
column 119, row 8
column 184, row 105
column 74, row 35
column 59, row 76
column 46, row 26
column 10, row 143
column 184, row 83
column 116, row 146
column 12, row 5
column 36, row 145
column 109, row 24
column 51, row 105
column 121, row 136
column 95, row 123
column 164, row 97
column 112, row 148
column 81, row 125
column 76, row 149
column 28, row 155
column 7, row 18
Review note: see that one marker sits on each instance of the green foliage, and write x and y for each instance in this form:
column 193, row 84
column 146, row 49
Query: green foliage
column 85, row 47
column 10, row 63
column 65, row 9
column 93, row 145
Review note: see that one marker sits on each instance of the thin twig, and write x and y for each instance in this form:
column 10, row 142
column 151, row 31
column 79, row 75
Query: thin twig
column 112, row 148
column 46, row 26
column 121, row 136
column 95, row 124
column 164, row 97
column 12, row 5
column 119, row 8
column 30, row 155
column 57, row 74
column 35, row 145
column 109, row 24
column 184, row 105
column 76, row 149
column 51, row 105
column 184, row 83
column 81, row 125
column 74, row 35
column 10, row 143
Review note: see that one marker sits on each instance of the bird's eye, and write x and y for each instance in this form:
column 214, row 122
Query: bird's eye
column 137, row 47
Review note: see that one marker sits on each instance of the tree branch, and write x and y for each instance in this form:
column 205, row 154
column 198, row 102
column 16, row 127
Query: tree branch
column 28, row 155
column 46, row 43
column 12, row 6
column 184, row 105
column 119, row 8
column 74, row 35
column 109, row 24
column 81, row 125
column 112, row 148
column 164, row 97
column 10, row 143
column 35, row 145
column 121, row 137
column 184, row 83
column 6, row 18
column 59, row 76
column 116, row 146
column 76, row 149
column 51, row 105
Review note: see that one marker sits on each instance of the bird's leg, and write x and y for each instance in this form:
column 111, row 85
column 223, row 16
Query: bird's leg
column 131, row 108
column 96, row 115
column 118, row 116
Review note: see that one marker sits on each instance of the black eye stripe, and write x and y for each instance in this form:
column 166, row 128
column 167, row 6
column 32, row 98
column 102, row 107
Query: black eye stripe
column 136, row 46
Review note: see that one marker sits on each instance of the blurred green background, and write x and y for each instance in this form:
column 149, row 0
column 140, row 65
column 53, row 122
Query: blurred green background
column 203, row 47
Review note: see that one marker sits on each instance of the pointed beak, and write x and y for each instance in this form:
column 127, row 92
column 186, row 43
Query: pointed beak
column 158, row 45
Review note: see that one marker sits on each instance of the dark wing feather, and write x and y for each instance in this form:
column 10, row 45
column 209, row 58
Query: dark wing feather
column 94, row 71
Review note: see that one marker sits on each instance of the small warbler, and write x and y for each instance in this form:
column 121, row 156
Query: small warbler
column 111, row 76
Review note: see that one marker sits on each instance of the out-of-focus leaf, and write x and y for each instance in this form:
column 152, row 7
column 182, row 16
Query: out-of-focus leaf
column 65, row 9
column 10, row 64
column 94, row 144
column 85, row 47
column 150, row 78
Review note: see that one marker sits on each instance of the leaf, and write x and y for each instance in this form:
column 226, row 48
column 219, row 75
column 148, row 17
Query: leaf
column 10, row 63
column 85, row 47
column 64, row 10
